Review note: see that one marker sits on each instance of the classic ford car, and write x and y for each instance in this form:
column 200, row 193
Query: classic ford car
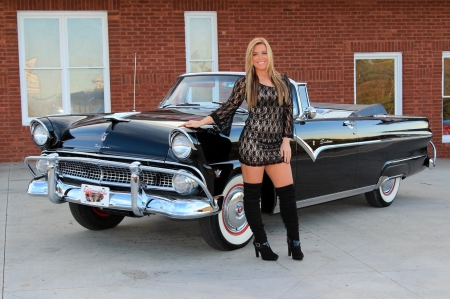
column 108, row 166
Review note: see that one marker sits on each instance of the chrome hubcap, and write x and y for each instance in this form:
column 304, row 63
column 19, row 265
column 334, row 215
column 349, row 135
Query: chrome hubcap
column 233, row 211
column 387, row 186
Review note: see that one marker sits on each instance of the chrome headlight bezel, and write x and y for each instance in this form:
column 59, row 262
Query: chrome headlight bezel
column 39, row 133
column 181, row 144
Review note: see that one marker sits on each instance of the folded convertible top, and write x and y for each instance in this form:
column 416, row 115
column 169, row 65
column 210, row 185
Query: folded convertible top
column 358, row 110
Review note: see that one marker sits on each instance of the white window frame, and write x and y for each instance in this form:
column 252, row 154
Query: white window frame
column 62, row 16
column 445, row 54
column 214, row 47
column 397, row 56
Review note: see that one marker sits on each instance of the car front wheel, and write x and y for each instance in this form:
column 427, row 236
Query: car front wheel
column 385, row 194
column 93, row 218
column 229, row 229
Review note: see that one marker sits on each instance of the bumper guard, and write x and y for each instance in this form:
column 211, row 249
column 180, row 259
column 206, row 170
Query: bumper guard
column 139, row 201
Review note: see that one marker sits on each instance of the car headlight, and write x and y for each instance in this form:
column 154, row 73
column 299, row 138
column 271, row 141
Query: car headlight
column 183, row 184
column 41, row 166
column 40, row 134
column 181, row 146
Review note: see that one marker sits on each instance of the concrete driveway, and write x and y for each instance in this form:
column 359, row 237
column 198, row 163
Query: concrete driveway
column 351, row 250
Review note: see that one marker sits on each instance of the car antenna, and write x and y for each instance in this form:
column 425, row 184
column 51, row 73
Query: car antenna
column 134, row 84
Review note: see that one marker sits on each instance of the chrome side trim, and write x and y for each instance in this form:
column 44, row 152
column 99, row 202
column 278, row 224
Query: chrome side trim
column 329, row 197
column 313, row 154
column 397, row 116
column 236, row 164
column 402, row 160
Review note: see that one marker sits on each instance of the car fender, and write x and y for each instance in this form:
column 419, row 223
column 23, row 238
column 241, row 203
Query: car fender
column 396, row 170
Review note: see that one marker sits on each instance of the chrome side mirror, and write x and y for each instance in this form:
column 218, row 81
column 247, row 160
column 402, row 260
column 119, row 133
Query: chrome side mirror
column 308, row 113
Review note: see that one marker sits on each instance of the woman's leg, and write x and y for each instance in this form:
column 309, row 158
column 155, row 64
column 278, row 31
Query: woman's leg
column 252, row 194
column 281, row 176
column 252, row 174
column 253, row 177
column 288, row 211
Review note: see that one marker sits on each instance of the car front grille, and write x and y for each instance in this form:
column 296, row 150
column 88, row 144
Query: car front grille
column 110, row 175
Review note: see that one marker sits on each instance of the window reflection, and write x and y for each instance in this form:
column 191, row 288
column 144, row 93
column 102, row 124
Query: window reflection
column 64, row 65
column 203, row 66
column 446, row 100
column 41, row 37
column 200, row 38
column 44, row 92
column 375, row 82
column 86, row 91
column 85, row 42
column 201, row 41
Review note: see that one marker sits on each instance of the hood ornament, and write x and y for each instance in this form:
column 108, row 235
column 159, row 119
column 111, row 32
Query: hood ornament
column 119, row 117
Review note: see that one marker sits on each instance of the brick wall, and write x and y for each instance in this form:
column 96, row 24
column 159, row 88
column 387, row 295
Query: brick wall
column 313, row 41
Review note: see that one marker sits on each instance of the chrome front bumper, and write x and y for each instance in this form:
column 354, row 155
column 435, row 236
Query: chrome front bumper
column 140, row 202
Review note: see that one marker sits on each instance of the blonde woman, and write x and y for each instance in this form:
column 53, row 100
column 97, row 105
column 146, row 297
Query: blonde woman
column 264, row 142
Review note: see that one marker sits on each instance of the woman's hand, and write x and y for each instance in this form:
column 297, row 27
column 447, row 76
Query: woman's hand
column 191, row 124
column 285, row 150
column 198, row 123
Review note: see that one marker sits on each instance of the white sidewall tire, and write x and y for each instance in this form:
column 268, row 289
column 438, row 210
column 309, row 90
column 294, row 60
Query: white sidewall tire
column 390, row 195
column 246, row 233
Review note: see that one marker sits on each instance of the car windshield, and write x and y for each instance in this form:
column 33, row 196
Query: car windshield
column 201, row 91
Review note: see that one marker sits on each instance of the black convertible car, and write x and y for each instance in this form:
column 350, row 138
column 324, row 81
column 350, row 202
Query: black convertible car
column 108, row 166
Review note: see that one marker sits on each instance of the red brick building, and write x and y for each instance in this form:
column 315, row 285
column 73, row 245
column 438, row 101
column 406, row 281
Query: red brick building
column 313, row 41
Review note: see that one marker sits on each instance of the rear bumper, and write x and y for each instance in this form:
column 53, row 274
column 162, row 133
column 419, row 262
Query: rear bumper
column 139, row 201
column 431, row 163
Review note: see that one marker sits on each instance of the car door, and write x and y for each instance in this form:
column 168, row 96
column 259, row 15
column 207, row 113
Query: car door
column 326, row 156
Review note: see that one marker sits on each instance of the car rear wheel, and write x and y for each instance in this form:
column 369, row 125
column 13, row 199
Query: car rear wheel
column 385, row 194
column 93, row 218
column 229, row 229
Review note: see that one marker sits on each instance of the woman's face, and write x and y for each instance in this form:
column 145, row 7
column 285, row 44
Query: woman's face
column 260, row 58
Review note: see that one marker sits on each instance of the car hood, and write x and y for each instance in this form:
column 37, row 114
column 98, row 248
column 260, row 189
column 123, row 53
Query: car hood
column 128, row 134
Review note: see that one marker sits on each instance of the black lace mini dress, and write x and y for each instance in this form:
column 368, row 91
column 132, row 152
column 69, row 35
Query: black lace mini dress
column 265, row 127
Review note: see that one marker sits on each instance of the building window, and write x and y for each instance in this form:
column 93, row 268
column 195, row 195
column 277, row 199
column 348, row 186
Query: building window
column 378, row 79
column 64, row 63
column 446, row 97
column 201, row 42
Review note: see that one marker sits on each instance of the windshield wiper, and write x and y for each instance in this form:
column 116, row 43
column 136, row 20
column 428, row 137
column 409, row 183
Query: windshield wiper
column 239, row 110
column 181, row 105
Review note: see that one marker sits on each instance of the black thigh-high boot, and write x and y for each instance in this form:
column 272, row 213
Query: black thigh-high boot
column 288, row 210
column 252, row 208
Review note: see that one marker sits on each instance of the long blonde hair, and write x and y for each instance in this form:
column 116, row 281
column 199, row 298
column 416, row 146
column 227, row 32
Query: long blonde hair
column 251, row 79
